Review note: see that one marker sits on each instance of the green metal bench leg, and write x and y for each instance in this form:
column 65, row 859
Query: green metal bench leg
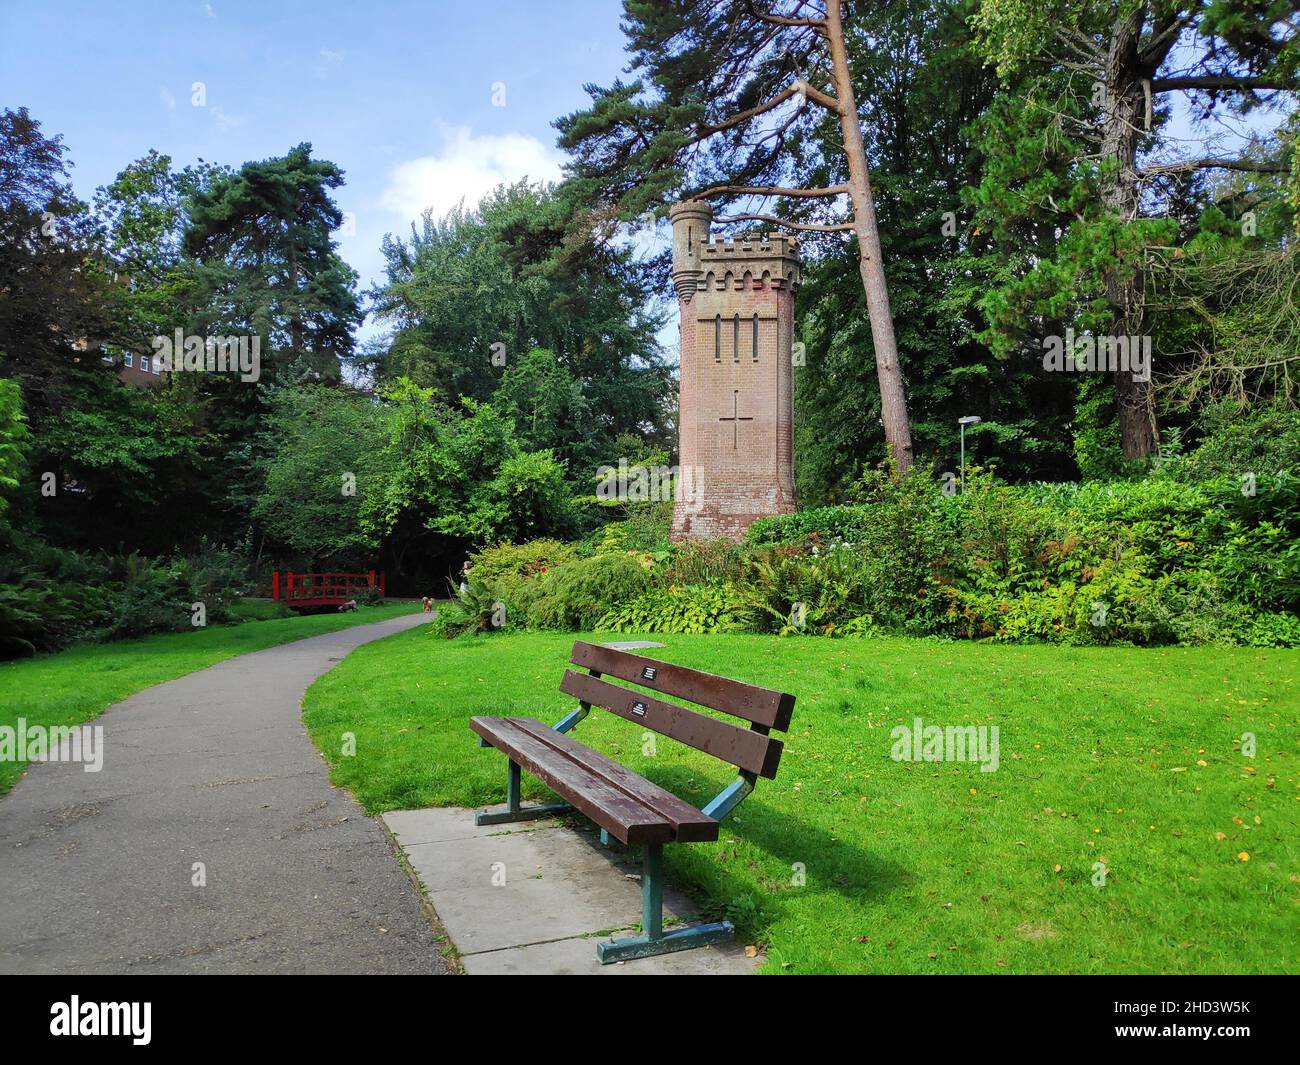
column 653, row 939
column 652, row 893
column 514, row 811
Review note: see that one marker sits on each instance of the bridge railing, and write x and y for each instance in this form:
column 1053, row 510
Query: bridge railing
column 324, row 589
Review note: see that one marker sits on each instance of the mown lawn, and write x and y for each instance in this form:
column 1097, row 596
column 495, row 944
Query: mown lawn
column 1125, row 755
column 78, row 684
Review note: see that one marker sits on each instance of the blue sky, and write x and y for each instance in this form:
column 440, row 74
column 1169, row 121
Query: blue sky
column 399, row 94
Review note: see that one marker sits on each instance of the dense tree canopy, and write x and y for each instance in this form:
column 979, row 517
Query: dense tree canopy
column 471, row 294
column 1024, row 171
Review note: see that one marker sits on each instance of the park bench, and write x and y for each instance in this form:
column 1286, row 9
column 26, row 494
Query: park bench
column 625, row 805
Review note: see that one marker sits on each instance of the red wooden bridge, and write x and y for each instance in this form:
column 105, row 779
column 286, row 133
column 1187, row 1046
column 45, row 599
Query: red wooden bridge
column 297, row 590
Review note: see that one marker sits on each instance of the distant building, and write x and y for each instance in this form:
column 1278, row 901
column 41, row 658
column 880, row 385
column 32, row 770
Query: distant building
column 139, row 371
column 136, row 370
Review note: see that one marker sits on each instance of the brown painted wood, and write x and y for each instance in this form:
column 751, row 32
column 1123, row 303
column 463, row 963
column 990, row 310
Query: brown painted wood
column 689, row 824
column 763, row 706
column 741, row 747
column 622, row 816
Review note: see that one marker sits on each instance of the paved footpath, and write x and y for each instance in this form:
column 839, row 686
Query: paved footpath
column 97, row 869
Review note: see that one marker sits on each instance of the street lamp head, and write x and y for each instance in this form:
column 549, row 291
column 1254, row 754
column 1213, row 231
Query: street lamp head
column 970, row 419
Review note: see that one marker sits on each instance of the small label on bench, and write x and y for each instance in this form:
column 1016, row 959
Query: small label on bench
column 648, row 673
column 638, row 709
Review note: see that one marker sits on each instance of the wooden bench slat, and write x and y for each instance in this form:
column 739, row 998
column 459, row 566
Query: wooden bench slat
column 627, row 819
column 689, row 824
column 743, row 748
column 763, row 706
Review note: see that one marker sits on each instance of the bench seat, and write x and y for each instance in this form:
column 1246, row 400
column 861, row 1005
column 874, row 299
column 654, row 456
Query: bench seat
column 630, row 808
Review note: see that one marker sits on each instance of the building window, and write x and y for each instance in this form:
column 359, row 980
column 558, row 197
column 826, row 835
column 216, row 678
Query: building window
column 735, row 338
column 717, row 338
column 144, row 363
column 755, row 350
column 130, row 359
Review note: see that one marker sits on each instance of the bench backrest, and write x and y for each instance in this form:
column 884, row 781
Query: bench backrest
column 751, row 749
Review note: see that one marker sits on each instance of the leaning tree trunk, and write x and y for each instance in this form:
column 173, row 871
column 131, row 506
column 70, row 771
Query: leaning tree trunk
column 1124, row 113
column 893, row 401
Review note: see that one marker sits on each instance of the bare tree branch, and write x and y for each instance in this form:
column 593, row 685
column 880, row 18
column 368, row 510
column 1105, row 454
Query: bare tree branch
column 1188, row 165
column 841, row 227
column 1164, row 38
column 797, row 88
column 767, row 190
column 782, row 20
column 1218, row 81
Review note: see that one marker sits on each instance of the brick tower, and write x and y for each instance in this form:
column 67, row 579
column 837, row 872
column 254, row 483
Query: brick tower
column 736, row 425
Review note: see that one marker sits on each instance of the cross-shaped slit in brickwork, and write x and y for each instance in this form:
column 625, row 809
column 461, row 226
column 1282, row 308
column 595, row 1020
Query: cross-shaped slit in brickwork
column 735, row 418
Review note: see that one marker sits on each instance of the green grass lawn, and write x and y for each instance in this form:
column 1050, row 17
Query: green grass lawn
column 81, row 683
column 1126, row 755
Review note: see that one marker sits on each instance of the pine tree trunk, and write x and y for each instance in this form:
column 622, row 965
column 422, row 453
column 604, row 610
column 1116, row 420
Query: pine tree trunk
column 1125, row 115
column 893, row 400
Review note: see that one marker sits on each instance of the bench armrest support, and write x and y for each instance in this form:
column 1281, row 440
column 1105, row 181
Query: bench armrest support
column 572, row 718
column 730, row 797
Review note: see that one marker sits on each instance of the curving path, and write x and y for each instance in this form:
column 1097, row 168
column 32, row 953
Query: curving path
column 96, row 869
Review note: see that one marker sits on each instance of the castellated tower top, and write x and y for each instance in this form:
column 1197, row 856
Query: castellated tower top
column 699, row 262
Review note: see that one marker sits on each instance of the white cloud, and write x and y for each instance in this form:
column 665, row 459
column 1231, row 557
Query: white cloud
column 168, row 99
column 223, row 119
column 331, row 56
column 207, row 10
column 467, row 167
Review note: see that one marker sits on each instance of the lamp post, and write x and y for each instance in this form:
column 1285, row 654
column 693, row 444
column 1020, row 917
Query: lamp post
column 969, row 419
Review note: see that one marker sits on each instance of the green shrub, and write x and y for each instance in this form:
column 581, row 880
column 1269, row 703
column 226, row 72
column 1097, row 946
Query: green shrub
column 644, row 529
column 819, row 525
column 476, row 607
column 156, row 597
column 1262, row 440
column 1275, row 629
column 785, row 591
column 520, row 560
column 576, row 594
column 1137, row 562
column 696, row 608
column 699, row 562
column 50, row 597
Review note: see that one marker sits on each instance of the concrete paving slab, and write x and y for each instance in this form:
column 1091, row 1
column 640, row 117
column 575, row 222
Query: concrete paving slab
column 535, row 897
